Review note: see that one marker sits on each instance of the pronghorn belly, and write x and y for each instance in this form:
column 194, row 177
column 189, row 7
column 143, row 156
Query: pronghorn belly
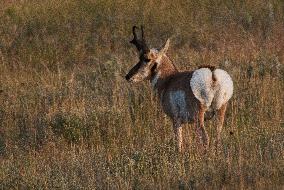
column 201, row 85
column 178, row 108
column 224, row 88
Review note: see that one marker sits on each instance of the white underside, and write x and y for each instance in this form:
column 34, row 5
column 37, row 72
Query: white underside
column 208, row 93
column 178, row 103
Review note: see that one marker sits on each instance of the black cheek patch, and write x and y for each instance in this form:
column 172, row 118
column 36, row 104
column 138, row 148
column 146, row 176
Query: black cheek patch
column 147, row 60
column 153, row 70
column 154, row 67
column 144, row 58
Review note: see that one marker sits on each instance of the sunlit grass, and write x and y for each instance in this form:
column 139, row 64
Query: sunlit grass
column 69, row 120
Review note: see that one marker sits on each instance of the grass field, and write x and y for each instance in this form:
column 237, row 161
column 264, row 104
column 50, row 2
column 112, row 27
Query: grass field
column 69, row 120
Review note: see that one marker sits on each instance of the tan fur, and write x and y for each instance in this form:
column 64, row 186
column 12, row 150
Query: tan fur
column 171, row 80
column 174, row 92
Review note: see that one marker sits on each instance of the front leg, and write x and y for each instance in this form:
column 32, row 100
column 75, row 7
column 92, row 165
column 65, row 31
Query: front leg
column 178, row 134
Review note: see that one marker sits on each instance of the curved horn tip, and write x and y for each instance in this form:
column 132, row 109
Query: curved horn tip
column 142, row 31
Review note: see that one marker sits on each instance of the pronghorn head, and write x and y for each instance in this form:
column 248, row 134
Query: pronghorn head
column 148, row 59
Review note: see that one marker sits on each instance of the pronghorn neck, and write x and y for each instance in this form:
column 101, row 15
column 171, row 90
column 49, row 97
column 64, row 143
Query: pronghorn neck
column 165, row 68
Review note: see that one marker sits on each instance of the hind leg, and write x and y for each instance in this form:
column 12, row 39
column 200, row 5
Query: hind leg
column 199, row 126
column 221, row 117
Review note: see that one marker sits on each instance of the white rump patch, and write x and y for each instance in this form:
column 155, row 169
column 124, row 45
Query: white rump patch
column 224, row 88
column 201, row 85
column 178, row 103
column 209, row 93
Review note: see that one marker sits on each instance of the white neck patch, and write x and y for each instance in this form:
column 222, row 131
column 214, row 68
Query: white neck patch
column 155, row 80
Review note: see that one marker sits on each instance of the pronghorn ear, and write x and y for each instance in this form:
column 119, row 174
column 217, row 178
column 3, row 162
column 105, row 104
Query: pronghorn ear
column 163, row 50
column 165, row 47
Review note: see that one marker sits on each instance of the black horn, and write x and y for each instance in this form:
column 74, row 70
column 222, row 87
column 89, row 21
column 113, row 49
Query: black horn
column 140, row 44
column 142, row 31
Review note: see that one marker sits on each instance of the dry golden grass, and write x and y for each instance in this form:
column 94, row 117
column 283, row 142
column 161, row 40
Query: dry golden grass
column 69, row 120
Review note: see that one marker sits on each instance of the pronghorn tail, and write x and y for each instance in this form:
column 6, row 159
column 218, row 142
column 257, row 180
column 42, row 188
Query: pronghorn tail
column 212, row 69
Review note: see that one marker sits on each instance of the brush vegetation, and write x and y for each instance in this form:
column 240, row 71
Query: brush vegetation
column 69, row 120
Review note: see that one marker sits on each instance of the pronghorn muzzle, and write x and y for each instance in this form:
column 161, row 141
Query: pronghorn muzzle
column 133, row 71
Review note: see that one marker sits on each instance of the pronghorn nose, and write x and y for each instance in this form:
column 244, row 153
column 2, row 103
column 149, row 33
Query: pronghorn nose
column 127, row 77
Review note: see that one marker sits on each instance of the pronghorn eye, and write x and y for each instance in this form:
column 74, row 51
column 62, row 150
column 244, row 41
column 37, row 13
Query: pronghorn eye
column 147, row 60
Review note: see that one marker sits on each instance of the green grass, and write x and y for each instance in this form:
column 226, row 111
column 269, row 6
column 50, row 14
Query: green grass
column 69, row 120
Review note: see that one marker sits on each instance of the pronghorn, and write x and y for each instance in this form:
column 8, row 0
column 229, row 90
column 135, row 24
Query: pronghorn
column 186, row 97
